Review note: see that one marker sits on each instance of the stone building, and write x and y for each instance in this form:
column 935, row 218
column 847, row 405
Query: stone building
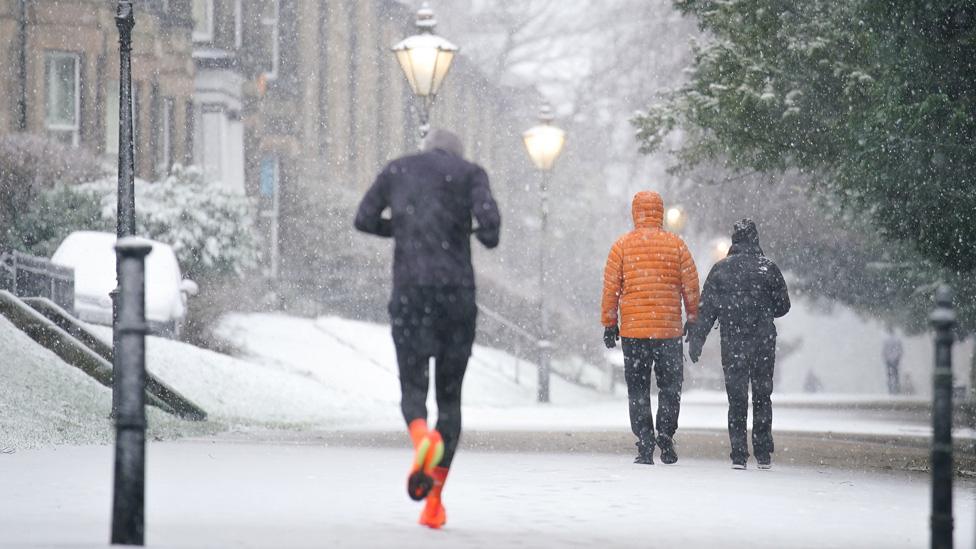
column 59, row 76
column 337, row 110
column 298, row 103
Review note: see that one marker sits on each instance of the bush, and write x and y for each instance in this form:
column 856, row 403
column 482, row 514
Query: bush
column 51, row 217
column 35, row 208
column 209, row 228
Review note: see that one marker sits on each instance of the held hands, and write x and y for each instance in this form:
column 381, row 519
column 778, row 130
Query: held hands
column 695, row 343
column 610, row 336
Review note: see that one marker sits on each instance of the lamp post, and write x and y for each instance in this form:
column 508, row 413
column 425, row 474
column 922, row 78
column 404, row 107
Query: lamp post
column 129, row 485
column 544, row 142
column 127, row 409
column 126, row 196
column 720, row 248
column 943, row 320
column 425, row 59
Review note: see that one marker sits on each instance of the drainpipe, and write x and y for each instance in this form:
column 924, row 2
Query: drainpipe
column 22, row 64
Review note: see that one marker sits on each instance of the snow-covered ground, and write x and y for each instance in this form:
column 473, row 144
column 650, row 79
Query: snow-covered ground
column 217, row 494
column 357, row 360
column 844, row 350
column 336, row 374
column 44, row 401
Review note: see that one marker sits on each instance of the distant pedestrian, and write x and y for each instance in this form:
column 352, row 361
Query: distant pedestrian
column 432, row 197
column 812, row 383
column 744, row 292
column 891, row 352
column 648, row 275
column 908, row 387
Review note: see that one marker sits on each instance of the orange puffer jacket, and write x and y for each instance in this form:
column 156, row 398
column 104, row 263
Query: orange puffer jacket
column 649, row 272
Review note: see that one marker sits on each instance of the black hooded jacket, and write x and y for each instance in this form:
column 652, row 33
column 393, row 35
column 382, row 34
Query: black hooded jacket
column 432, row 197
column 744, row 292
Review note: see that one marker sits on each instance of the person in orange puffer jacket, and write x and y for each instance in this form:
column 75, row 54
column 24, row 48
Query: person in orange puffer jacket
column 649, row 273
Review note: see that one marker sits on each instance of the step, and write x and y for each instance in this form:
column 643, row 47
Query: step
column 63, row 344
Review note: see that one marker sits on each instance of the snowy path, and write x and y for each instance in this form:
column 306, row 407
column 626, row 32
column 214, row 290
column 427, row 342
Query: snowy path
column 220, row 494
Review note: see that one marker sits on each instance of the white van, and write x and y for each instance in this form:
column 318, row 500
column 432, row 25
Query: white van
column 92, row 256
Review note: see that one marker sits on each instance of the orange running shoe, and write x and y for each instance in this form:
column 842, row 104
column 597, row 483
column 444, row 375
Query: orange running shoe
column 428, row 455
column 434, row 515
column 418, row 430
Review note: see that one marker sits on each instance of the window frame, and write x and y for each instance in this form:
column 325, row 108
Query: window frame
column 206, row 34
column 274, row 24
column 167, row 125
column 238, row 24
column 112, row 116
column 49, row 126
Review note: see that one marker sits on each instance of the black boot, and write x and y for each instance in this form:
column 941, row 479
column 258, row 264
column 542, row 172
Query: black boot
column 668, row 455
column 645, row 453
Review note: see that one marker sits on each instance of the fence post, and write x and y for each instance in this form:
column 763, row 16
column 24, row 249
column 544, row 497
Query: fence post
column 943, row 320
column 128, row 503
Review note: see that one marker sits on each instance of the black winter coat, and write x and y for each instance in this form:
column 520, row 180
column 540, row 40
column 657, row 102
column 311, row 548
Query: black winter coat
column 744, row 292
column 432, row 197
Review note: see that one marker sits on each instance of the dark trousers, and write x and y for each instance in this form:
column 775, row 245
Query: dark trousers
column 439, row 323
column 749, row 359
column 665, row 357
column 894, row 383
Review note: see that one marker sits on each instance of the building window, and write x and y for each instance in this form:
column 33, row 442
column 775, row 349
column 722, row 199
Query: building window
column 62, row 100
column 211, row 141
column 189, row 123
column 203, row 20
column 111, row 111
column 273, row 31
column 167, row 119
column 270, row 191
column 238, row 24
column 112, row 117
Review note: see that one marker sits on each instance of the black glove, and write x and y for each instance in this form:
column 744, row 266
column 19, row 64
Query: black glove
column 610, row 336
column 689, row 327
column 695, row 349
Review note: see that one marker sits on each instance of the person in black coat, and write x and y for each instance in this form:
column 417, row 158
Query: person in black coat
column 744, row 292
column 432, row 197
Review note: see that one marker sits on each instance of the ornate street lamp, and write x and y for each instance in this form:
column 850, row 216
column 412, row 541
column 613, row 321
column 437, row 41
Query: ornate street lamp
column 425, row 59
column 720, row 248
column 675, row 219
column 544, row 143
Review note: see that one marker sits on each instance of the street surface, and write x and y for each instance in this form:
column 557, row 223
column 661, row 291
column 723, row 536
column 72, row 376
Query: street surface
column 229, row 492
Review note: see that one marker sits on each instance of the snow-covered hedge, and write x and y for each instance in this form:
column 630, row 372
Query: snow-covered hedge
column 35, row 212
column 210, row 228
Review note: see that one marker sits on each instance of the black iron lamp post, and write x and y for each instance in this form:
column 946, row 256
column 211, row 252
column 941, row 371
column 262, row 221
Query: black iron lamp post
column 126, row 198
column 129, row 488
column 943, row 320
column 544, row 143
column 128, row 319
column 425, row 59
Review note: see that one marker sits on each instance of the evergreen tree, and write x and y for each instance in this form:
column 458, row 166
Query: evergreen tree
column 870, row 102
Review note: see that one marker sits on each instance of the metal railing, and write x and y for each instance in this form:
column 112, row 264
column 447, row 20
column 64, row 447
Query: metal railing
column 28, row 276
column 515, row 328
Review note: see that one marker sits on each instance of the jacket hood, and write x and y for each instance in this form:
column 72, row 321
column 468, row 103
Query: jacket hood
column 648, row 210
column 745, row 238
column 440, row 139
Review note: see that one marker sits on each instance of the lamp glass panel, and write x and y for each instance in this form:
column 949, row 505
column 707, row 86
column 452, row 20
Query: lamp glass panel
column 544, row 144
column 423, row 63
column 444, row 59
column 406, row 64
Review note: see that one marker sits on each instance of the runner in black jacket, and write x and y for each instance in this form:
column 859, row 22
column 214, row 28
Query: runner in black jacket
column 432, row 197
column 744, row 292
